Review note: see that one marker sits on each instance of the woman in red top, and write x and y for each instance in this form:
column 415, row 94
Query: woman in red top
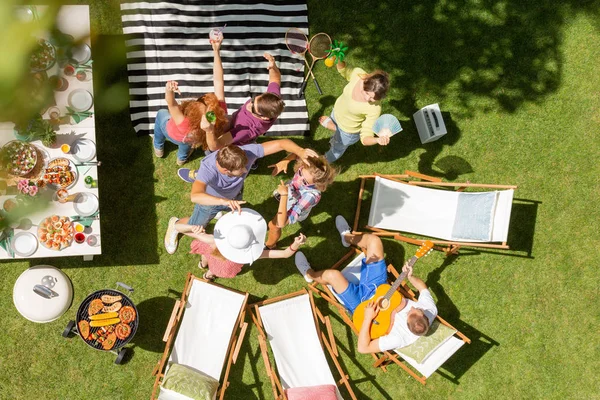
column 185, row 124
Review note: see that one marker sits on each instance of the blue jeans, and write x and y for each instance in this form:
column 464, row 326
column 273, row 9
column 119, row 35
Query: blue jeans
column 202, row 215
column 160, row 135
column 371, row 276
column 339, row 142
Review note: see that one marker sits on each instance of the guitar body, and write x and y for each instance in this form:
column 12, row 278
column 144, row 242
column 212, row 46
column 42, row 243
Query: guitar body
column 381, row 324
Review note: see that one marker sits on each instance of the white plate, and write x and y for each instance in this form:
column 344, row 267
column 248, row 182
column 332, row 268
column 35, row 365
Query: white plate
column 83, row 150
column 85, row 204
column 80, row 100
column 24, row 244
column 81, row 53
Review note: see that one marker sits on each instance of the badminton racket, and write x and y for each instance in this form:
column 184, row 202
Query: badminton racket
column 319, row 48
column 297, row 42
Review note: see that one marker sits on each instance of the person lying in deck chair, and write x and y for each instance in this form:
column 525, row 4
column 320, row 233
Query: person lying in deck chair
column 411, row 319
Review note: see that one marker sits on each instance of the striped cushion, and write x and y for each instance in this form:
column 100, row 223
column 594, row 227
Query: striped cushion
column 169, row 41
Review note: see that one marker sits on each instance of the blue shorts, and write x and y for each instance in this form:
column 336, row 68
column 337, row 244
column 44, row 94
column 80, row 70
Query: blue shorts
column 371, row 276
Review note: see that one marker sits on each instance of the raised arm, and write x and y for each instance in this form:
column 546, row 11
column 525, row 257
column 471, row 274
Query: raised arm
column 170, row 88
column 274, row 73
column 344, row 71
column 287, row 253
column 282, row 165
column 274, row 146
column 416, row 282
column 218, row 79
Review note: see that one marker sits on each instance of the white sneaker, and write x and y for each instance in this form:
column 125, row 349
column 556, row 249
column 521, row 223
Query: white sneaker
column 219, row 215
column 343, row 228
column 171, row 236
column 302, row 265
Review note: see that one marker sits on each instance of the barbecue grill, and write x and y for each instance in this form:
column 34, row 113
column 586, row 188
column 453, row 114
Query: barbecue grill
column 82, row 314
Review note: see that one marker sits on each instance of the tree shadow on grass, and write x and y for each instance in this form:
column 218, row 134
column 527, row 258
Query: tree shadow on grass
column 483, row 56
column 480, row 344
column 125, row 179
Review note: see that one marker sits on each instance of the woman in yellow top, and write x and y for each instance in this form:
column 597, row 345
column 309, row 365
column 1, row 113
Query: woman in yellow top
column 356, row 110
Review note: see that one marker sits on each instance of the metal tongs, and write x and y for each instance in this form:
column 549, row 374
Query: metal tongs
column 44, row 291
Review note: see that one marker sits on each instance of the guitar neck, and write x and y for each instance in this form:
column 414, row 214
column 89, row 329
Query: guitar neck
column 399, row 280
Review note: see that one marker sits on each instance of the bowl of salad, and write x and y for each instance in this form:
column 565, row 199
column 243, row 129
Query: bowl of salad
column 18, row 158
column 43, row 56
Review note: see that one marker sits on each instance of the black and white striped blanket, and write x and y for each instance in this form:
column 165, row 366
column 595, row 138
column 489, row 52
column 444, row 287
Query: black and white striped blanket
column 169, row 41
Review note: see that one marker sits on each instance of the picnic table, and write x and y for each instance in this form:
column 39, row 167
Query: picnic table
column 75, row 21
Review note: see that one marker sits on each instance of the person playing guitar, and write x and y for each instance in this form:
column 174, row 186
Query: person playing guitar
column 409, row 320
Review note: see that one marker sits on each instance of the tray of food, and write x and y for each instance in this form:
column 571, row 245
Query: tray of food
column 43, row 56
column 60, row 173
column 109, row 320
column 18, row 158
column 56, row 232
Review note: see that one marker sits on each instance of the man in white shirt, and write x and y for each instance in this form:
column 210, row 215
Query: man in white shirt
column 411, row 319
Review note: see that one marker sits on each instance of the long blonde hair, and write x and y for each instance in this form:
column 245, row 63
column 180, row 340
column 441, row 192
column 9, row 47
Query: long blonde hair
column 323, row 173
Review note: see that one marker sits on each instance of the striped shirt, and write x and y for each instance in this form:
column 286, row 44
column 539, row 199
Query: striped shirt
column 301, row 198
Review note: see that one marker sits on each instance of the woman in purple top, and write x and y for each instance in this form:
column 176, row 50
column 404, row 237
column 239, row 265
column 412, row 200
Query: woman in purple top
column 255, row 117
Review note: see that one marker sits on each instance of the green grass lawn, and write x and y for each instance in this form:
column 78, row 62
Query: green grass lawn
column 520, row 88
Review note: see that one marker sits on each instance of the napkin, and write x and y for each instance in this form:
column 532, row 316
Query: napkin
column 85, row 221
column 5, row 239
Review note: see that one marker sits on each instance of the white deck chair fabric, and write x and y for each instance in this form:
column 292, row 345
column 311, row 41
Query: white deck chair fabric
column 442, row 214
column 205, row 331
column 436, row 358
column 291, row 331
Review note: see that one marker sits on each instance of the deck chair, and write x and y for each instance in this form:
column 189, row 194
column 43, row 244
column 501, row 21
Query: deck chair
column 291, row 325
column 420, row 370
column 204, row 333
column 426, row 206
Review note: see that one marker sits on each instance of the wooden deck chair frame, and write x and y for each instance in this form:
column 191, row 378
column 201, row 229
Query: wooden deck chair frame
column 327, row 342
column 385, row 358
column 417, row 179
column 169, row 337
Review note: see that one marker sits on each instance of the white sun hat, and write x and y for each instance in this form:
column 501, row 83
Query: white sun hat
column 241, row 237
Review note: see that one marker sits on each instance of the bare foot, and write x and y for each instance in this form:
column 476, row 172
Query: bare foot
column 330, row 125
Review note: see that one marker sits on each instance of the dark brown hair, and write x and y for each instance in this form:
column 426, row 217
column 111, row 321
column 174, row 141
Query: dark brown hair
column 418, row 324
column 377, row 82
column 232, row 158
column 269, row 105
column 323, row 173
column 193, row 110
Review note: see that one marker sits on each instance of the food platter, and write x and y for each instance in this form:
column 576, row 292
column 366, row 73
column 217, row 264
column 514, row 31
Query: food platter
column 80, row 100
column 106, row 320
column 18, row 158
column 43, row 57
column 85, row 204
column 24, row 244
column 83, row 150
column 61, row 173
column 56, row 232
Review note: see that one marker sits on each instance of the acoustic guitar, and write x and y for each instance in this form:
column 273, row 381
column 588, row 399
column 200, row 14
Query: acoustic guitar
column 388, row 298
